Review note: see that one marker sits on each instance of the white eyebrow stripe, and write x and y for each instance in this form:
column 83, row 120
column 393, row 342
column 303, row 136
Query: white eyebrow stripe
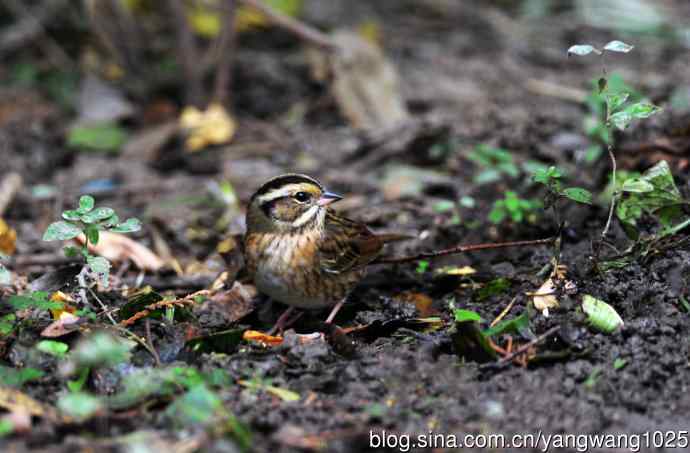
column 306, row 217
column 278, row 193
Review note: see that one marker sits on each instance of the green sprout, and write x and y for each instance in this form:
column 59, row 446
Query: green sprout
column 619, row 111
column 89, row 220
column 514, row 208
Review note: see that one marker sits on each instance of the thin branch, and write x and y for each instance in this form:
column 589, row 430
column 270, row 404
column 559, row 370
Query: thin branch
column 187, row 51
column 462, row 249
column 156, row 357
column 523, row 349
column 226, row 54
column 292, row 25
column 615, row 191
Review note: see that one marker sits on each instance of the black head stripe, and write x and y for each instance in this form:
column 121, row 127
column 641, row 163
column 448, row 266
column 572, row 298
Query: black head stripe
column 280, row 181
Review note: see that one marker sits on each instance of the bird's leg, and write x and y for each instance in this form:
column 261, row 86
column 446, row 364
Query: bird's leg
column 284, row 321
column 334, row 312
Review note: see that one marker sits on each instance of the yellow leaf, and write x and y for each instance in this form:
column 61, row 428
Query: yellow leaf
column 214, row 126
column 67, row 307
column 247, row 18
column 205, row 21
column 371, row 31
column 461, row 271
column 260, row 337
column 8, row 238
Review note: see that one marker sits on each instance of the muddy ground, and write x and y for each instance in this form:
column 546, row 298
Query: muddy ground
column 471, row 73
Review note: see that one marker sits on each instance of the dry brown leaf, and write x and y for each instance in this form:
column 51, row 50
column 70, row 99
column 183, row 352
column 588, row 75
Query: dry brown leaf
column 364, row 82
column 118, row 247
column 66, row 323
column 545, row 297
column 421, row 301
column 16, row 401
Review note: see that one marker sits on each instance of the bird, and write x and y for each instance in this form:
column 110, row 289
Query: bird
column 301, row 253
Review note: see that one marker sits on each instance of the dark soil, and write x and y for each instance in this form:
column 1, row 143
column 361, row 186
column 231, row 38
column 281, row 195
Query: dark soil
column 465, row 69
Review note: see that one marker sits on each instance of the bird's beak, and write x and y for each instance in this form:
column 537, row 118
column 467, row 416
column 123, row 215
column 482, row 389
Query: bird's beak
column 328, row 198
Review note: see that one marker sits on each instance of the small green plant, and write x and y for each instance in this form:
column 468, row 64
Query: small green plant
column 619, row 112
column 514, row 208
column 551, row 178
column 89, row 220
column 36, row 300
column 495, row 163
column 422, row 266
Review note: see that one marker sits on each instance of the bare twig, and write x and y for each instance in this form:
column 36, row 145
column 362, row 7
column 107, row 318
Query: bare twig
column 30, row 27
column 10, row 185
column 615, row 191
column 103, row 307
column 226, row 53
column 156, row 357
column 188, row 52
column 462, row 249
column 523, row 349
column 302, row 30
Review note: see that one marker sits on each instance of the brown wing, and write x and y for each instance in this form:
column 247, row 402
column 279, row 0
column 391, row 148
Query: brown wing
column 347, row 245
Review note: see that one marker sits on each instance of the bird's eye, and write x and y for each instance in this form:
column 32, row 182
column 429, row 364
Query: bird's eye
column 302, row 197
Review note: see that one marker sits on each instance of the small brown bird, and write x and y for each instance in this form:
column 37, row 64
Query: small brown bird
column 301, row 253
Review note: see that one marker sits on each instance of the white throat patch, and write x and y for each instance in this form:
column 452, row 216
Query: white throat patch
column 307, row 216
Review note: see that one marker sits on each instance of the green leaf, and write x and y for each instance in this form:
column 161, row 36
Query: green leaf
column 466, row 315
column 61, row 231
column 70, row 251
column 16, row 377
column 77, row 385
column 616, row 100
column 621, row 119
column 86, row 204
column 601, row 315
column 128, row 226
column 582, row 49
column 80, row 406
column 619, row 363
column 55, row 348
column 37, row 299
column 107, row 137
column 7, row 324
column 97, row 215
column 498, row 213
column 71, row 215
column 661, row 202
column 100, row 266
column 642, row 110
column 92, row 233
column 494, row 287
column 198, row 406
column 519, row 325
column 101, row 349
column 636, row 185
column 578, row 194
column 618, row 46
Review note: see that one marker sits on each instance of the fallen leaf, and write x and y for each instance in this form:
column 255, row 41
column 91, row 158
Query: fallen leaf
column 230, row 305
column 421, row 301
column 260, row 337
column 214, row 126
column 117, row 248
column 67, row 304
column 545, row 296
column 601, row 315
column 460, row 271
column 17, row 401
column 65, row 324
column 8, row 238
column 364, row 82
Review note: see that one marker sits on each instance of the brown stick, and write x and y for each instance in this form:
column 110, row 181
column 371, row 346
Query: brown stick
column 462, row 249
column 294, row 26
column 226, row 53
column 524, row 348
column 188, row 52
